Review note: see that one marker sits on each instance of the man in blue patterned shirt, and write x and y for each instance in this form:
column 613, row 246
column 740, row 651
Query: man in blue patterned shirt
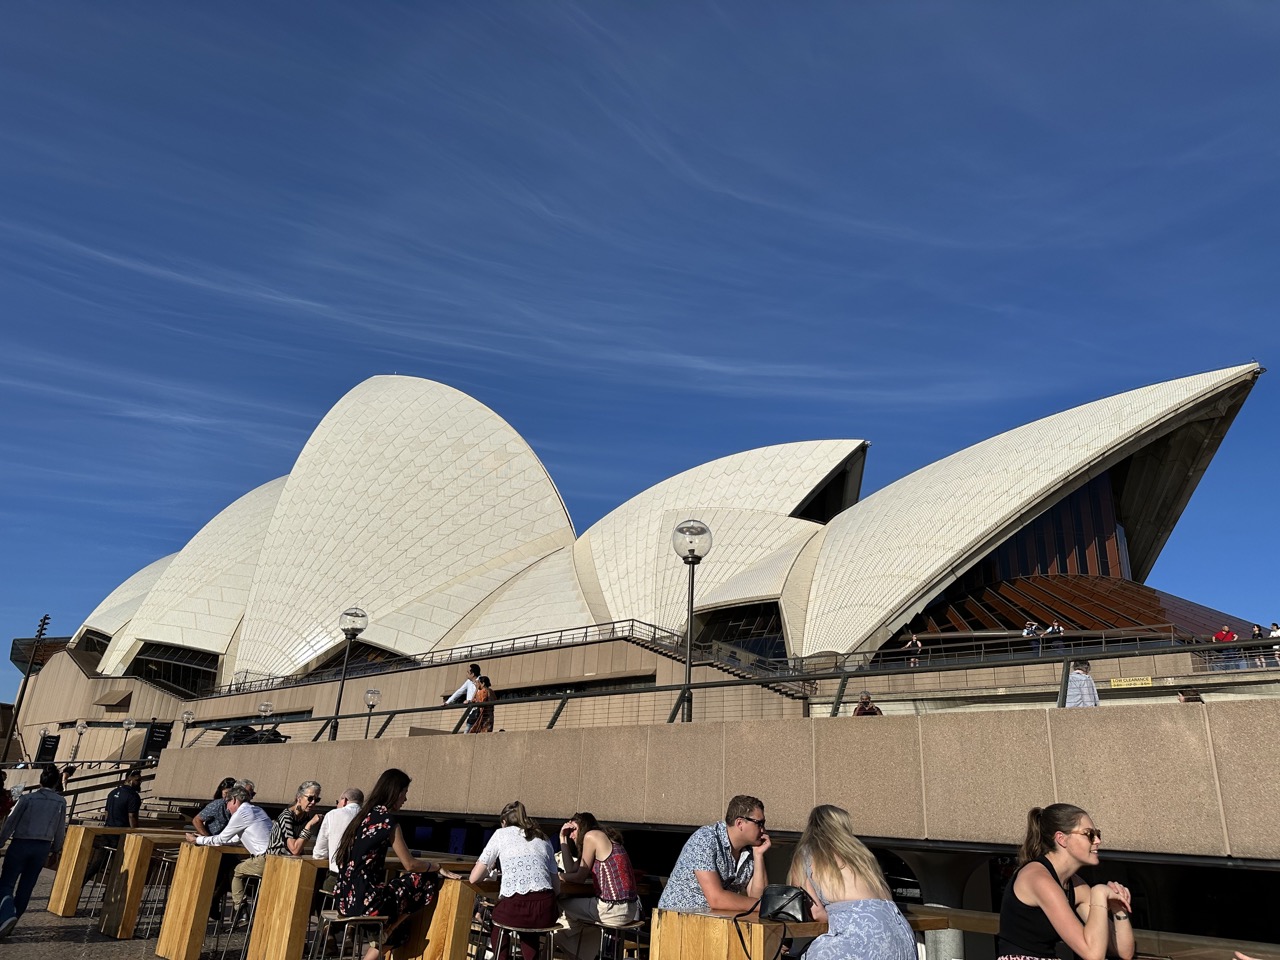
column 722, row 865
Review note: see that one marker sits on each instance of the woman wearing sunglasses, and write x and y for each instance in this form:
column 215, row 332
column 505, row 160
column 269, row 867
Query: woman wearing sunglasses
column 1046, row 902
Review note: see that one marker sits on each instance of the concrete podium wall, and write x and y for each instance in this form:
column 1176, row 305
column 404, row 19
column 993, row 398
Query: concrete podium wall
column 1171, row 778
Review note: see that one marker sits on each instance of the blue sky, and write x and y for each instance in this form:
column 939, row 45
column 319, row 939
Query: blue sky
column 648, row 235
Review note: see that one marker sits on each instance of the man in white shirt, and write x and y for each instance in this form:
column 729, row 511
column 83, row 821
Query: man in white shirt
column 333, row 827
column 468, row 689
column 249, row 826
column 466, row 693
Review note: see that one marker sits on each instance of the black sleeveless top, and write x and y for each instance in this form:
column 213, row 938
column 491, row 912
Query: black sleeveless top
column 1024, row 929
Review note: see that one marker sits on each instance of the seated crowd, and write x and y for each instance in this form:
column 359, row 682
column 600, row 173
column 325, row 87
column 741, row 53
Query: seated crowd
column 722, row 867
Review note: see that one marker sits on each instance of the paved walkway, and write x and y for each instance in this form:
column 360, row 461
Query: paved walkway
column 40, row 935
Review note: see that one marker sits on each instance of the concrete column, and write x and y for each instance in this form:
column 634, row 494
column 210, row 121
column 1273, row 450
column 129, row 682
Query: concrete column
column 943, row 876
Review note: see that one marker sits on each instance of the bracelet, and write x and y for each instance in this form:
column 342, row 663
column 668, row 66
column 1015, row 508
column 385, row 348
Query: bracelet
column 1120, row 915
column 304, row 834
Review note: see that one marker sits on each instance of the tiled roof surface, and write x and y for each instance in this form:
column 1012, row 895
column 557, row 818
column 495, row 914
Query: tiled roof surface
column 888, row 553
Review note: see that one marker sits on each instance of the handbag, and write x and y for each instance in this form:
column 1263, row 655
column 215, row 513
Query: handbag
column 785, row 904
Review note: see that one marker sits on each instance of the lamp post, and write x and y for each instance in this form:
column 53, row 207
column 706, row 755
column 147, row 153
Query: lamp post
column 188, row 716
column 372, row 698
column 265, row 709
column 691, row 541
column 81, row 727
column 127, row 724
column 44, row 732
column 352, row 623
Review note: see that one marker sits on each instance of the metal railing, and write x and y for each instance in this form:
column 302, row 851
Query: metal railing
column 727, row 700
column 635, row 630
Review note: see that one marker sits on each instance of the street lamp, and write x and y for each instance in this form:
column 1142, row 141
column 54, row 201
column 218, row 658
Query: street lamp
column 372, row 698
column 265, row 709
column 352, row 624
column 691, row 541
column 128, row 723
column 188, row 716
column 81, row 727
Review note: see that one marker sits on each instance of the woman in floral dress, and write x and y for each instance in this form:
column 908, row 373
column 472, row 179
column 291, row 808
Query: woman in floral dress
column 362, row 888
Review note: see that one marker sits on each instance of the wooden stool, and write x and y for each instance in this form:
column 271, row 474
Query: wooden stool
column 613, row 940
column 510, row 936
column 351, row 927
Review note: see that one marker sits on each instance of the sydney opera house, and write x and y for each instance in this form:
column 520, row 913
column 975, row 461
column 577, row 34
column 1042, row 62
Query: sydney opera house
column 424, row 508
column 449, row 532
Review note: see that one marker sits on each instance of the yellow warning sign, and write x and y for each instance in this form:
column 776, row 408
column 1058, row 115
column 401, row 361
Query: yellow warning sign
column 1130, row 682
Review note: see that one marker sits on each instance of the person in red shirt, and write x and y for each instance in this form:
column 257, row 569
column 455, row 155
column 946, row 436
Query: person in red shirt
column 1226, row 660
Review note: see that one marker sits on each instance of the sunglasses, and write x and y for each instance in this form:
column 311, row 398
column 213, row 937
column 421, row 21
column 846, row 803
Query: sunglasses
column 758, row 823
column 1093, row 833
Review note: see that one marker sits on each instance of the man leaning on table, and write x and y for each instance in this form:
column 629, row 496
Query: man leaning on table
column 722, row 865
column 249, row 826
column 332, row 828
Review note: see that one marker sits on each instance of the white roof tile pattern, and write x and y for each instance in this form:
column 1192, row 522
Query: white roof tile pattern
column 762, row 580
column 405, row 489
column 543, row 598
column 424, row 507
column 745, row 498
column 199, row 599
column 119, row 606
column 887, row 555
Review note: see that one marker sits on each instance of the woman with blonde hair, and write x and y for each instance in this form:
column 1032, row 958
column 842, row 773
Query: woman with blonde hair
column 1046, row 902
column 849, row 891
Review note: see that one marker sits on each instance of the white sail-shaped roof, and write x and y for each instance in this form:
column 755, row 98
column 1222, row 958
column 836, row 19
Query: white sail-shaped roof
column 200, row 598
column 118, row 607
column 747, row 499
column 544, row 598
column 406, row 490
column 884, row 557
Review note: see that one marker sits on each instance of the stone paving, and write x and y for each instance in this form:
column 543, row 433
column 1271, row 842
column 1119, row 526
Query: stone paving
column 40, row 935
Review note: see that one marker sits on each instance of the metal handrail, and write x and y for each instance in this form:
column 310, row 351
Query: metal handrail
column 1074, row 648
column 616, row 630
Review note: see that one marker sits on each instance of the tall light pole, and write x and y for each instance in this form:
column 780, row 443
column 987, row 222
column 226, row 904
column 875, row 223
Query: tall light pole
column 372, row 698
column 691, row 541
column 81, row 727
column 352, row 623
column 188, row 717
column 127, row 724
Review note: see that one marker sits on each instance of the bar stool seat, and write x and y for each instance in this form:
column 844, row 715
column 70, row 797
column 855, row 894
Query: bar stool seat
column 351, row 927
column 614, row 942
column 509, row 936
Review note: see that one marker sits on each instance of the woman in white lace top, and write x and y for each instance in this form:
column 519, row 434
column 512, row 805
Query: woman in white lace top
column 530, row 880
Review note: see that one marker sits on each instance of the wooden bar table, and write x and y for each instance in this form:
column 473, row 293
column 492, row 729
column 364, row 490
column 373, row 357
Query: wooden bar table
column 441, row 931
column 283, row 915
column 77, row 851
column 186, row 915
column 711, row 936
column 126, row 881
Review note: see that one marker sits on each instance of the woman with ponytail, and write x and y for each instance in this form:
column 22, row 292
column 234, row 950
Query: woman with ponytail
column 1046, row 902
column 530, row 881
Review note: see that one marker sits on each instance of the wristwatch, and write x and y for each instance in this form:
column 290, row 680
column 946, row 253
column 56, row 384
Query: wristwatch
column 1120, row 915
